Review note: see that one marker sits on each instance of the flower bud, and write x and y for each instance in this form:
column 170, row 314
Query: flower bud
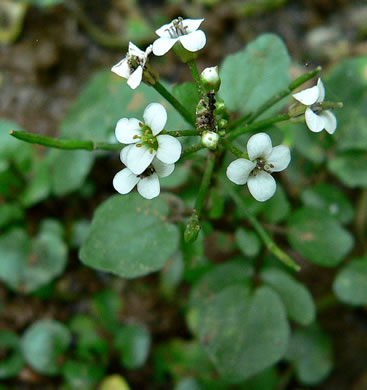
column 192, row 229
column 222, row 123
column 210, row 78
column 210, row 139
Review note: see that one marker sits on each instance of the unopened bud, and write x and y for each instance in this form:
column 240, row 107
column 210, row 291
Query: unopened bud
column 210, row 79
column 192, row 229
column 210, row 139
column 222, row 123
column 220, row 107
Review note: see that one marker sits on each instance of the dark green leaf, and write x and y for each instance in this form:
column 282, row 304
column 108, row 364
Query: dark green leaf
column 11, row 360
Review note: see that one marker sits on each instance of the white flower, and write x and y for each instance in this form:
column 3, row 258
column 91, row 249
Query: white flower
column 132, row 66
column 145, row 141
column 147, row 182
column 257, row 173
column 316, row 118
column 183, row 30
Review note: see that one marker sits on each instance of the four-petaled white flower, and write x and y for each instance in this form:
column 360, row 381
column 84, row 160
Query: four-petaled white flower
column 145, row 141
column 316, row 118
column 132, row 66
column 147, row 182
column 257, row 173
column 182, row 30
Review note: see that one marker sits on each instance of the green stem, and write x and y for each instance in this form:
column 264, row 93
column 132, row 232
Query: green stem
column 67, row 144
column 233, row 149
column 270, row 244
column 249, row 118
column 205, row 183
column 196, row 76
column 175, row 103
column 257, row 126
column 191, row 149
column 181, row 133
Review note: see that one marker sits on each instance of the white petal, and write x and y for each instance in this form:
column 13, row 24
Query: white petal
column 239, row 170
column 262, row 186
column 314, row 122
column 320, row 86
column 163, row 31
column 122, row 69
column 127, row 129
column 155, row 116
column 138, row 159
column 124, row 152
column 149, row 187
column 124, row 181
column 308, row 96
column 162, row 45
column 192, row 25
column 135, row 78
column 259, row 145
column 169, row 149
column 330, row 121
column 279, row 158
column 135, row 51
column 162, row 169
column 194, row 41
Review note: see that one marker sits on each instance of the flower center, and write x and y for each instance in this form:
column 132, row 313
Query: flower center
column 316, row 108
column 147, row 139
column 134, row 62
column 262, row 165
column 148, row 172
column 177, row 28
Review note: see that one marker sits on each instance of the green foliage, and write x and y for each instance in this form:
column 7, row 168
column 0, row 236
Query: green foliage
column 82, row 375
column 242, row 332
column 255, row 73
column 248, row 242
column 129, row 237
column 43, row 3
column 278, row 207
column 330, row 200
column 12, row 361
column 30, row 263
column 350, row 284
column 43, row 345
column 318, row 237
column 311, row 353
column 295, row 296
column 133, row 344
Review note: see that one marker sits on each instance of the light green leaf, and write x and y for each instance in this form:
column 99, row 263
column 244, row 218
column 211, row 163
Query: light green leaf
column 350, row 284
column 254, row 74
column 329, row 199
column 114, row 382
column 278, row 207
column 129, row 236
column 318, row 237
column 12, row 363
column 28, row 264
column 133, row 344
column 350, row 168
column 311, row 353
column 295, row 296
column 187, row 95
column 43, row 343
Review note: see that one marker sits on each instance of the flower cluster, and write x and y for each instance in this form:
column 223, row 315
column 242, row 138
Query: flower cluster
column 150, row 152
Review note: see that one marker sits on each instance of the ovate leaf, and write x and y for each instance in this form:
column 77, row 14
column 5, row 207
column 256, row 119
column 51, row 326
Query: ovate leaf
column 129, row 236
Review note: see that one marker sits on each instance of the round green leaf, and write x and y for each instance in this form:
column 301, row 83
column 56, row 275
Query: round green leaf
column 331, row 200
column 43, row 345
column 350, row 168
column 350, row 284
column 11, row 361
column 243, row 334
column 318, row 237
column 82, row 375
column 310, row 351
column 255, row 73
column 129, row 236
column 28, row 264
column 133, row 344
column 295, row 296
